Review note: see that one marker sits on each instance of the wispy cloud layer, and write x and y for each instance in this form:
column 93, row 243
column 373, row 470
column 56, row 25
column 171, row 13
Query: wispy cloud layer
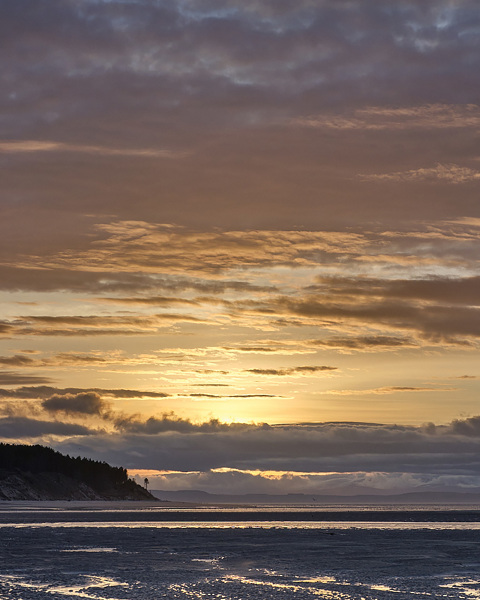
column 427, row 117
column 447, row 173
column 21, row 146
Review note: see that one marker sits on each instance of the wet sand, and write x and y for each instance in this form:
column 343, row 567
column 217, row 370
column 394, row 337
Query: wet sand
column 79, row 558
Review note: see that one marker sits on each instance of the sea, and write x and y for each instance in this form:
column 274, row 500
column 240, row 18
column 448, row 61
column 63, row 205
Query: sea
column 163, row 551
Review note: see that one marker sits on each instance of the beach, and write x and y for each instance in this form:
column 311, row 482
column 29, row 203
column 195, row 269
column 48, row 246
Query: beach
column 59, row 550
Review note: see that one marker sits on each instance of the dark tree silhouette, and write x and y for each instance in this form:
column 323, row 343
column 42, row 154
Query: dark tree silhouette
column 100, row 476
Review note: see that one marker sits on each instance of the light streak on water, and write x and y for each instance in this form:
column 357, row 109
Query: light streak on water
column 324, row 525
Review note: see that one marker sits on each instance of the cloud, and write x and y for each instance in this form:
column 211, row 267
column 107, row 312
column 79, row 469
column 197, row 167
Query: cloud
column 86, row 325
column 225, row 396
column 469, row 426
column 435, row 289
column 45, row 392
column 157, row 248
column 169, row 422
column 11, row 378
column 308, row 370
column 186, row 81
column 432, row 323
column 98, row 281
column 21, row 146
column 148, row 257
column 155, row 300
column 452, row 173
column 59, row 359
column 177, row 444
column 206, row 156
column 21, row 429
column 395, row 310
column 429, row 453
column 85, row 403
column 393, row 389
column 211, row 372
column 428, row 117
column 241, row 482
column 286, row 347
column 365, row 343
column 18, row 360
column 433, row 309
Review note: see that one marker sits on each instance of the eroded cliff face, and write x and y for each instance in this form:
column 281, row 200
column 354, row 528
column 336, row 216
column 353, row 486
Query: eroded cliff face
column 43, row 486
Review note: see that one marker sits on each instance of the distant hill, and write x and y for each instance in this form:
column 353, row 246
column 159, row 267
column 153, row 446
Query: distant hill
column 425, row 497
column 40, row 473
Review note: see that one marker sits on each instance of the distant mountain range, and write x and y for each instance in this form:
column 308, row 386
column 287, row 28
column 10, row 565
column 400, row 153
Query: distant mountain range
column 424, row 497
column 40, row 473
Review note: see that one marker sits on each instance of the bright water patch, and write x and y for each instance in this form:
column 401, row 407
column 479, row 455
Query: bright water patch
column 320, row 525
column 80, row 587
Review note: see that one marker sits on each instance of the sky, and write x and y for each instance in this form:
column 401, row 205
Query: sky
column 239, row 240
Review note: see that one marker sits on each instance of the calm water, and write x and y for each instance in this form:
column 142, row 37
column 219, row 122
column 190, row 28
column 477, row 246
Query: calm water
column 104, row 551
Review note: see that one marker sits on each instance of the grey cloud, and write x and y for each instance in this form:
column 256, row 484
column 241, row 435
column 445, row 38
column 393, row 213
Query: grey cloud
column 11, row 378
column 17, row 360
column 6, row 328
column 198, row 395
column 94, row 320
column 450, row 174
column 195, row 78
column 46, row 280
column 84, row 403
column 62, row 358
column 127, row 246
column 340, row 447
column 95, row 282
column 21, row 428
column 253, row 349
column 445, row 290
column 387, row 390
column 169, row 442
column 170, row 422
column 70, row 358
column 308, row 370
column 171, row 39
column 211, row 372
column 46, row 146
column 366, row 342
column 44, row 392
column 95, row 325
column 152, row 300
column 469, row 426
column 167, row 301
column 434, row 323
column 437, row 308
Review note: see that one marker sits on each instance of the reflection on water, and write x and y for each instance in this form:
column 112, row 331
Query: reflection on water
column 13, row 583
column 290, row 587
column 468, row 587
column 323, row 525
column 90, row 550
column 121, row 555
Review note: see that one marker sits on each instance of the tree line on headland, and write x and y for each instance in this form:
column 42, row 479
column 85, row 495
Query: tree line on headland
column 37, row 472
